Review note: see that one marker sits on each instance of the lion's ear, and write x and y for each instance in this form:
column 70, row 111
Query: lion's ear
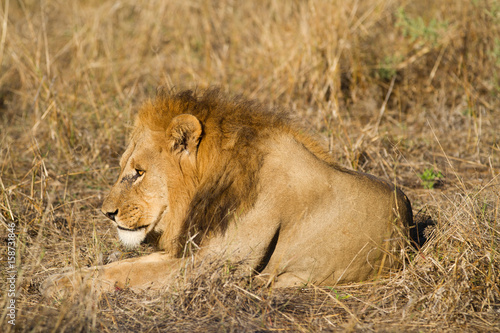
column 184, row 133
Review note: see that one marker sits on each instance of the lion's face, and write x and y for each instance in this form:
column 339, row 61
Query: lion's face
column 139, row 198
column 153, row 162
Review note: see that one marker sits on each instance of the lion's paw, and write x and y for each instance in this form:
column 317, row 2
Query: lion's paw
column 70, row 283
column 60, row 285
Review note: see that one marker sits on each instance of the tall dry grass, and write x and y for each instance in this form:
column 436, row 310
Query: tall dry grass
column 407, row 90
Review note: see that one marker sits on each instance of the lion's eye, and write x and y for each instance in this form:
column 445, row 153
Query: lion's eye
column 140, row 172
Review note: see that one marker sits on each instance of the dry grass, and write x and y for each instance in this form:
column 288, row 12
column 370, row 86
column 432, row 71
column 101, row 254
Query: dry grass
column 397, row 87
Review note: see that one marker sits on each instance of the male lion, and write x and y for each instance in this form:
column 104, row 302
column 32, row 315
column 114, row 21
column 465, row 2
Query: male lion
column 223, row 177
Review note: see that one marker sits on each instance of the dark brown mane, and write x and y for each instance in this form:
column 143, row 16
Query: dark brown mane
column 229, row 155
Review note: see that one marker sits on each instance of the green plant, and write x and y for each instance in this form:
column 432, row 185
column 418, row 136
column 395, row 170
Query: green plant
column 338, row 295
column 417, row 29
column 430, row 177
column 387, row 67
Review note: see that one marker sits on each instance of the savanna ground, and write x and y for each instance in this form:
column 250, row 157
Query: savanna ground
column 406, row 90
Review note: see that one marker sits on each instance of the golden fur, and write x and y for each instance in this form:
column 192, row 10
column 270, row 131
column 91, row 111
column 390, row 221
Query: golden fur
column 229, row 177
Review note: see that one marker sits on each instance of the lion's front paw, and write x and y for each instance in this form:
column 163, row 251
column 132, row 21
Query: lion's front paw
column 71, row 283
column 59, row 285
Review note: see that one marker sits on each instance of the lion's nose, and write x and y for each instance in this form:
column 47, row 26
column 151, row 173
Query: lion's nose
column 111, row 215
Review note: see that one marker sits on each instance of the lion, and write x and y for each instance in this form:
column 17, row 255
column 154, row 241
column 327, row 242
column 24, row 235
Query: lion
column 223, row 177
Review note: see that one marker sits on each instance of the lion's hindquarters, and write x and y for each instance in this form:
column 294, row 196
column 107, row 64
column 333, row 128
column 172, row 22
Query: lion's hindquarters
column 349, row 235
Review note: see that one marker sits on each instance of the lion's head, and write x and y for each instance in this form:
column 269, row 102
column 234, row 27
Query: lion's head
column 190, row 165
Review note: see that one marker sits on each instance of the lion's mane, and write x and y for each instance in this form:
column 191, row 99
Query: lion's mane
column 230, row 156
